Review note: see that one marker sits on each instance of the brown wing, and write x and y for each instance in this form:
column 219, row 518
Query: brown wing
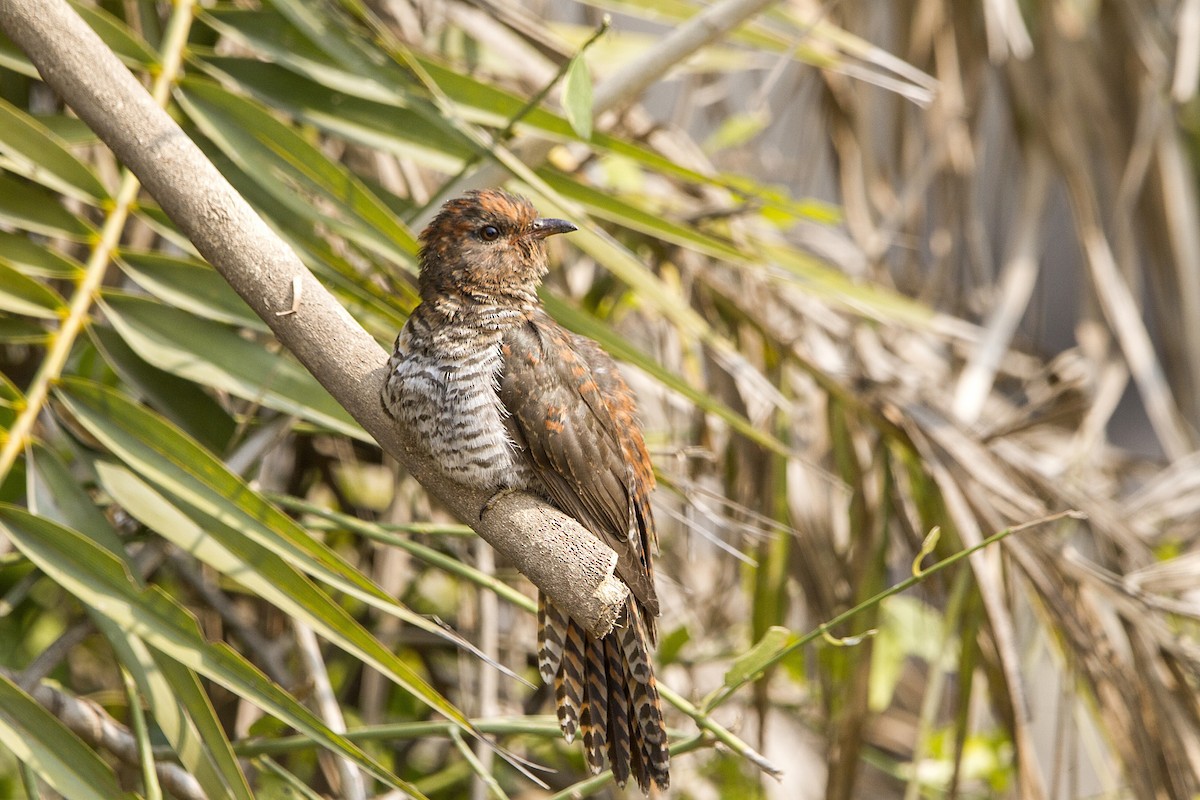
column 575, row 416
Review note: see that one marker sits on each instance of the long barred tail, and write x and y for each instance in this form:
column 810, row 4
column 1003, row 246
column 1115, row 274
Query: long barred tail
column 604, row 689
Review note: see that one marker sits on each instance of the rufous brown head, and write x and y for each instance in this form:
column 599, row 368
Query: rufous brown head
column 488, row 246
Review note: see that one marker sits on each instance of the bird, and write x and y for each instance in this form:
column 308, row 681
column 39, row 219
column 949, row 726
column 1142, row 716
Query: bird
column 505, row 399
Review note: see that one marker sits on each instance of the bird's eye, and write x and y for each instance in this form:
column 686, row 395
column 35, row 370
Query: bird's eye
column 489, row 233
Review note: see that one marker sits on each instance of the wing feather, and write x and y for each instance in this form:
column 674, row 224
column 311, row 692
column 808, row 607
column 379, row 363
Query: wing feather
column 574, row 414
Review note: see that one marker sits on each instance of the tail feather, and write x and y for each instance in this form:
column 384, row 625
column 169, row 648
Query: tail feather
column 620, row 724
column 605, row 688
column 647, row 707
column 568, row 683
column 552, row 627
column 595, row 723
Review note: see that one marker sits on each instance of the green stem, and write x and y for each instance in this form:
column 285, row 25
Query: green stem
column 589, row 785
column 86, row 291
column 141, row 734
column 543, row 726
column 825, row 628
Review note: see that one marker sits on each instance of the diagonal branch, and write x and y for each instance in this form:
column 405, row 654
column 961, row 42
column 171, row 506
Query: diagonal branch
column 573, row 567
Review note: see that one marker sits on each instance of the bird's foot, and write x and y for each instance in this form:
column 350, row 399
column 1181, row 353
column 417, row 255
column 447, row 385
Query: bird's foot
column 496, row 498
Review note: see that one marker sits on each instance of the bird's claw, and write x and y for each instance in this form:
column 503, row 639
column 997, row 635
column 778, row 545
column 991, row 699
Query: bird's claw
column 497, row 497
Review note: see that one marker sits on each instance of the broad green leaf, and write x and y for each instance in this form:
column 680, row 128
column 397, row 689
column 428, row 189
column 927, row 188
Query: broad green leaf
column 187, row 718
column 182, row 401
column 32, row 208
column 11, row 399
column 404, row 131
column 20, row 330
column 191, row 285
column 102, row 583
column 262, row 572
column 158, row 221
column 215, row 355
column 31, row 150
column 295, row 171
column 130, row 47
column 71, row 130
column 26, row 297
column 335, row 41
column 321, row 55
column 908, row 628
column 476, row 101
column 11, row 57
column 604, row 205
column 56, row 754
column 764, row 653
column 58, row 495
column 182, row 712
column 577, row 97
column 31, row 258
column 173, row 462
column 871, row 300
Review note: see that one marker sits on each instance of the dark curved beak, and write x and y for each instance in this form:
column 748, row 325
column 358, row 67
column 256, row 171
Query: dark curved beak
column 548, row 227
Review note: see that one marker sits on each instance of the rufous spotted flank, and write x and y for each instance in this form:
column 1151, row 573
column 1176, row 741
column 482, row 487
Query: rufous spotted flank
column 505, row 399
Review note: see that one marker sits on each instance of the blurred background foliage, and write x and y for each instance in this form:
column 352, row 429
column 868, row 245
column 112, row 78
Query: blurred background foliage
column 874, row 269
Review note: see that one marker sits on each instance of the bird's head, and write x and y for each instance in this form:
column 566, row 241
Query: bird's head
column 486, row 246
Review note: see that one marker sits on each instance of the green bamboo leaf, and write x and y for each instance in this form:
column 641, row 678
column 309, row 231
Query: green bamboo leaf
column 73, row 131
column 403, row 130
column 31, row 150
column 335, row 41
column 317, row 52
column 262, row 572
column 764, row 653
column 182, row 712
column 870, row 300
column 201, row 744
column 141, row 737
column 58, row 495
column 32, row 208
column 606, row 206
column 102, row 583
column 173, row 462
column 26, row 297
column 182, row 401
column 287, row 784
column 295, row 171
column 191, row 285
column 215, row 355
column 577, row 97
column 56, row 754
column 11, row 399
column 16, row 330
column 34, row 259
column 293, row 55
column 11, row 57
column 131, row 48
column 908, row 628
